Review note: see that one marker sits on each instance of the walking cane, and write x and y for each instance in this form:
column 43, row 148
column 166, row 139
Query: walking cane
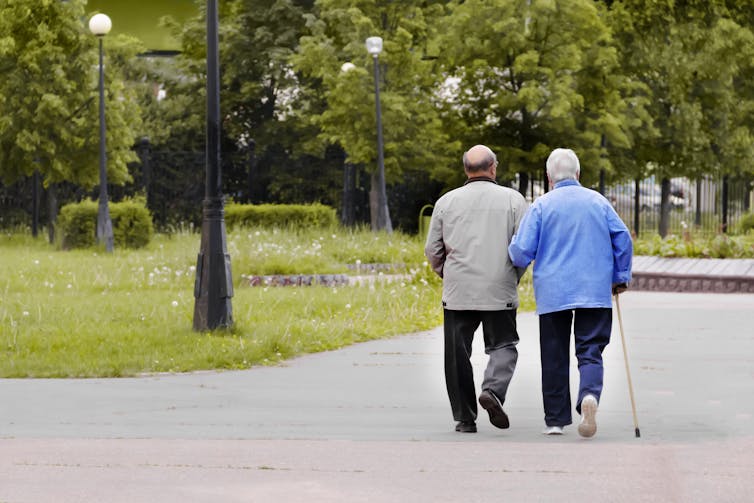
column 628, row 372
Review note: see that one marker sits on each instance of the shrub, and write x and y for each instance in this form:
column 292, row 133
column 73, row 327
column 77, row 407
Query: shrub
column 720, row 246
column 78, row 224
column 132, row 224
column 294, row 216
column 746, row 223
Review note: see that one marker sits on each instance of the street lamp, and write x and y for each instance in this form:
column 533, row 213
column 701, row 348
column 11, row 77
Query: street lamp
column 100, row 26
column 213, row 286
column 382, row 220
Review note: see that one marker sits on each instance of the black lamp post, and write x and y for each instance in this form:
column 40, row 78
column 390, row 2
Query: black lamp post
column 213, row 287
column 382, row 222
column 100, row 26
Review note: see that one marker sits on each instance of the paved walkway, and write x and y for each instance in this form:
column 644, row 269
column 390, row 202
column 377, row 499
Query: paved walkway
column 371, row 423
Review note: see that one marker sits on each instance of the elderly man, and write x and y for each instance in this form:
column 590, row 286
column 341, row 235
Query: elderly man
column 467, row 244
column 582, row 253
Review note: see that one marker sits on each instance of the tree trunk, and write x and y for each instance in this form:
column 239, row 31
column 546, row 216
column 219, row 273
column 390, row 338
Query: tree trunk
column 35, row 204
column 637, row 206
column 374, row 200
column 523, row 182
column 52, row 211
column 664, row 207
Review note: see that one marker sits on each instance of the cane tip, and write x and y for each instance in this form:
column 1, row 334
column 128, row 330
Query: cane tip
column 638, row 434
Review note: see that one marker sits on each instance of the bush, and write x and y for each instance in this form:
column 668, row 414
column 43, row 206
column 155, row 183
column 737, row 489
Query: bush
column 720, row 246
column 293, row 216
column 78, row 224
column 746, row 223
column 132, row 224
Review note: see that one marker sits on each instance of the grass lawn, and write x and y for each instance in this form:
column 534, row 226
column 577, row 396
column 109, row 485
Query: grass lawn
column 85, row 313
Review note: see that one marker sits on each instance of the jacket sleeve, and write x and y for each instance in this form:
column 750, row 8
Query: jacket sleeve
column 520, row 208
column 523, row 247
column 623, row 247
column 434, row 248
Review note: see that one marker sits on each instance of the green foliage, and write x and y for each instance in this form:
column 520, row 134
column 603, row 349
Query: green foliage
column 78, row 224
column 720, row 246
column 49, row 95
column 341, row 104
column 532, row 76
column 283, row 216
column 746, row 223
column 132, row 224
column 695, row 63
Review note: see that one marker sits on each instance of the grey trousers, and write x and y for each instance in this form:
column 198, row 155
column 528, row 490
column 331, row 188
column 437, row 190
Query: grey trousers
column 500, row 339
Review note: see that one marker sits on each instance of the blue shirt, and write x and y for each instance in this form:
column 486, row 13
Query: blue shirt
column 579, row 245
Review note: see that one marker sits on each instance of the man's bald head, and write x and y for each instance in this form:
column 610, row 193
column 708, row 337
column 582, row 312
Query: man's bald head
column 478, row 160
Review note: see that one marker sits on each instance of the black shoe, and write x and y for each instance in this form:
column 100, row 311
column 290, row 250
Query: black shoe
column 466, row 427
column 494, row 408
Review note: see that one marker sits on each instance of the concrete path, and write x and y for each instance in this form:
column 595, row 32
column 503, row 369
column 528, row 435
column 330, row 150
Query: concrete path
column 371, row 423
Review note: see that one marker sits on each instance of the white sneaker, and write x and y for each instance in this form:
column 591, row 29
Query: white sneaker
column 553, row 430
column 588, row 426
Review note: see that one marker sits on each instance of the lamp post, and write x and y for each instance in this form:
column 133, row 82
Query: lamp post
column 382, row 220
column 213, row 287
column 100, row 26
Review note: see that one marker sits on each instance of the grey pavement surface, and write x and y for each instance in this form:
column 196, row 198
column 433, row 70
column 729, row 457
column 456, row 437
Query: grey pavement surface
column 371, row 423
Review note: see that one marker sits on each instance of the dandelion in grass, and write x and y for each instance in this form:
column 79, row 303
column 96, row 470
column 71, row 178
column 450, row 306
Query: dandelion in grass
column 348, row 306
column 174, row 303
column 36, row 262
column 25, row 313
column 69, row 286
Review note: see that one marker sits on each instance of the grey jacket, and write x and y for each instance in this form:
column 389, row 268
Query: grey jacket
column 467, row 245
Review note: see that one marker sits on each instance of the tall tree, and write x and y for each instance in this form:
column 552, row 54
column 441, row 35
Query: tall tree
column 528, row 76
column 694, row 60
column 48, row 93
column 258, row 94
column 340, row 101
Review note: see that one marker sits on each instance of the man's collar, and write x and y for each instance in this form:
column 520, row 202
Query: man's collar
column 480, row 179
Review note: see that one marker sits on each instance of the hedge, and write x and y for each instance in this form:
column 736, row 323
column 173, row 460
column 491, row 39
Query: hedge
column 295, row 216
column 132, row 224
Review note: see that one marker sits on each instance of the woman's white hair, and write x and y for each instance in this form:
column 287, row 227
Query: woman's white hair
column 563, row 165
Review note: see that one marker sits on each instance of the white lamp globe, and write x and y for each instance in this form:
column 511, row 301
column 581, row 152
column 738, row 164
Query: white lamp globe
column 100, row 25
column 374, row 45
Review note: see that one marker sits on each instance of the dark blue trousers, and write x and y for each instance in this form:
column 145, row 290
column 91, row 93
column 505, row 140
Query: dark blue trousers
column 591, row 331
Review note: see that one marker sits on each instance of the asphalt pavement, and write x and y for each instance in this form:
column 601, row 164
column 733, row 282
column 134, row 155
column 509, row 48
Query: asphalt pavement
column 371, row 423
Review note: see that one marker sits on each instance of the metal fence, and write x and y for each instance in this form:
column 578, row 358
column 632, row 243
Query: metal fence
column 173, row 183
column 706, row 206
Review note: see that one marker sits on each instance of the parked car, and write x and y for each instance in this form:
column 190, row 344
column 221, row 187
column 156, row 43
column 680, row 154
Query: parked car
column 650, row 196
